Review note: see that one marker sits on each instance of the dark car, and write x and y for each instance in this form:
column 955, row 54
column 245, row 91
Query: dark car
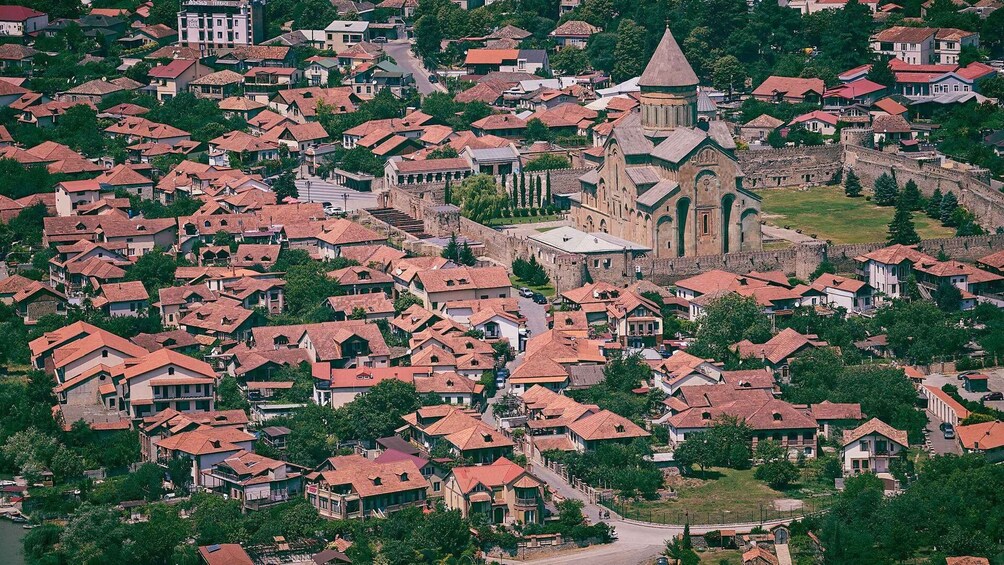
column 433, row 78
column 948, row 430
column 994, row 396
column 539, row 298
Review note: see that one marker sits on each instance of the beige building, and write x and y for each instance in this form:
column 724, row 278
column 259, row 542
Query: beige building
column 503, row 491
column 665, row 182
column 173, row 78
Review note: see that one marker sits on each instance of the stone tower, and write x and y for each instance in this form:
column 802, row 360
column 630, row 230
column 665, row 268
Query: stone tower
column 668, row 89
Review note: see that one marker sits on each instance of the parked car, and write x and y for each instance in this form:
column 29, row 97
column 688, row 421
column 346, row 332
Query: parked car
column 380, row 39
column 949, row 431
column 994, row 396
column 433, row 78
column 539, row 298
column 525, row 292
column 332, row 210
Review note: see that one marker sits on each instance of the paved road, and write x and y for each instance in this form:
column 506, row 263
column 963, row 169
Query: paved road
column 400, row 51
column 536, row 315
column 940, row 445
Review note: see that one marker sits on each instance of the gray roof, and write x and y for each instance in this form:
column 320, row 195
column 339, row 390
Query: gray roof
column 571, row 240
column 494, row 154
column 719, row 131
column 705, row 105
column 591, row 178
column 643, row 175
column 630, row 136
column 657, row 193
column 585, row 376
column 668, row 66
column 678, row 144
column 533, row 55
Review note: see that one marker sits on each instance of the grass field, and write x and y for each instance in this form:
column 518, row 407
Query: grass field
column 524, row 220
column 828, row 213
column 728, row 496
column 719, row 556
column 547, row 290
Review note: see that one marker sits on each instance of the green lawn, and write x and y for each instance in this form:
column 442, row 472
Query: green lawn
column 728, row 496
column 828, row 213
column 718, row 556
column 547, row 290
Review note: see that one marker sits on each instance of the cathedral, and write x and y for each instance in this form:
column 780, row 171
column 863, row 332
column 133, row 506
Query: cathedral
column 669, row 181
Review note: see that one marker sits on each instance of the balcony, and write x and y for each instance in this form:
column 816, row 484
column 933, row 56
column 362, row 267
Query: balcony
column 174, row 395
column 532, row 501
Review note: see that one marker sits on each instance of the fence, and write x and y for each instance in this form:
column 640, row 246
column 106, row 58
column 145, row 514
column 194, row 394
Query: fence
column 680, row 516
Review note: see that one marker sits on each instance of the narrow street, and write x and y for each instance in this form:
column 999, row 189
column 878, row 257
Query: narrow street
column 400, row 51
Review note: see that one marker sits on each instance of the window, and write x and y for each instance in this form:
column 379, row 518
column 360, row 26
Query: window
column 170, row 371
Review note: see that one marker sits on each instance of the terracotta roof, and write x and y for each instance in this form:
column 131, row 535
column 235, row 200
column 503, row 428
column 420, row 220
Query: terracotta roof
column 487, row 91
column 369, row 478
column 896, row 254
column 885, row 123
column 206, row 440
column 221, row 78
column 431, row 165
column 786, row 343
column 876, row 426
column 575, row 28
column 499, row 122
column 464, row 278
column 163, row 358
column 124, row 292
column 902, row 34
column 761, row 553
column 224, row 554
column 827, row 280
column 18, row 13
column 95, row 340
column 501, row 473
column 827, row 410
column 790, row 86
column 172, row 70
column 605, row 425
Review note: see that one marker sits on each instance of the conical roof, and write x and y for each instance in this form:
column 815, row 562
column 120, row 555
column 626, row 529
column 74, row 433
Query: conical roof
column 668, row 66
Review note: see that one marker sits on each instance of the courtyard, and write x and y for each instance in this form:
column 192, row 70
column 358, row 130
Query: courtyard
column 828, row 214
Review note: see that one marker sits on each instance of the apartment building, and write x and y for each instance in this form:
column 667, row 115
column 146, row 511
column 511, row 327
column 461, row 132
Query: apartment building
column 218, row 24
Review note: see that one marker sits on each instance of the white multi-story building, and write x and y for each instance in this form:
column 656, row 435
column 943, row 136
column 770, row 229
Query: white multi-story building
column 19, row 20
column 220, row 24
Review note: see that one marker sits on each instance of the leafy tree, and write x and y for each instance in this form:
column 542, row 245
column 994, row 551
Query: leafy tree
column 886, row 190
column 881, row 73
column 537, row 130
column 156, row 269
column 307, row 287
column 726, row 443
column 727, row 74
column 284, row 186
column 444, row 152
column 360, row 159
column 480, row 198
column 229, row 396
column 377, row 413
column 728, row 320
column 948, row 297
column 23, row 180
column 774, row 468
column 428, row 36
column 406, row 300
column 901, row 229
column 570, row 61
column 547, row 162
column 628, row 61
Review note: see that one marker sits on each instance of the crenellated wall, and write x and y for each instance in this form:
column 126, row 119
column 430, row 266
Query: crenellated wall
column 789, row 166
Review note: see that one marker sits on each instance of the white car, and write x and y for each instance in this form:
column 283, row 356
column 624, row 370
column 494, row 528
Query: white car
column 525, row 292
column 332, row 210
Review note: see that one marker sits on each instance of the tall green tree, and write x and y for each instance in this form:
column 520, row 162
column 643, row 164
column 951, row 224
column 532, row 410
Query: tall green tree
column 901, row 229
column 934, row 204
column 949, row 202
column 886, row 190
column 911, row 196
column 852, row 184
column 628, row 54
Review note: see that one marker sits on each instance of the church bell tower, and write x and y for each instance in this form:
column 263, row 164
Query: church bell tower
column 668, row 89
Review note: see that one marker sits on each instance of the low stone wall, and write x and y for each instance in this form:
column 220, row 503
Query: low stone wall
column 972, row 188
column 789, row 166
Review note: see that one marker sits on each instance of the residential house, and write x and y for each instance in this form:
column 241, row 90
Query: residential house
column 262, row 83
column 330, row 345
column 986, row 438
column 779, row 350
column 240, row 58
column 550, row 358
column 319, row 68
column 19, row 21
column 871, row 448
column 373, row 307
column 238, row 23
column 635, row 320
column 16, row 58
column 220, row 85
column 834, row 416
column 254, row 480
column 72, row 194
column 123, row 299
column 793, row 428
column 480, row 62
column 341, row 35
column 683, row 369
column 817, row 121
column 573, row 33
column 790, row 89
column 464, row 435
column 362, row 280
column 555, row 421
column 850, row 294
column 165, row 379
column 503, row 492
column 204, row 447
column 758, row 129
column 220, row 320
column 224, row 554
column 173, row 78
column 251, row 149
column 338, row 387
column 95, row 91
column 297, row 137
column 437, row 287
column 176, row 301
column 888, row 269
column 350, row 486
column 36, row 300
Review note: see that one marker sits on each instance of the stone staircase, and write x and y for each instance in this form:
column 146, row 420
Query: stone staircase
column 401, row 221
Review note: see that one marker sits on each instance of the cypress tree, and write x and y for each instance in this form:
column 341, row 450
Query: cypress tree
column 548, row 187
column 886, row 190
column 447, row 193
column 948, row 205
column 852, row 185
column 522, row 189
column 911, row 195
column 901, row 229
column 934, row 204
column 467, row 256
column 540, row 200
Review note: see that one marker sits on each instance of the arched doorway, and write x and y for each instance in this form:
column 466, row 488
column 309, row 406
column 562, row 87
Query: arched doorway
column 682, row 214
column 727, row 202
